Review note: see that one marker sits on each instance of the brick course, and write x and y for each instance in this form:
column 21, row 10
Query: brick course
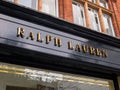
column 114, row 5
column 65, row 12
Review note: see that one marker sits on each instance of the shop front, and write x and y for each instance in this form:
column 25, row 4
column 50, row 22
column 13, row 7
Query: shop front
column 14, row 77
column 41, row 52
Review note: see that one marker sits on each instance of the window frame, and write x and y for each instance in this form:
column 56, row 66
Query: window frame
column 56, row 9
column 111, row 28
column 33, row 5
column 105, row 3
column 93, row 1
column 95, row 12
column 81, row 8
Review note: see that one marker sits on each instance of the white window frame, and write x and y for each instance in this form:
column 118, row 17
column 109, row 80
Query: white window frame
column 94, row 1
column 56, row 9
column 110, row 25
column 56, row 6
column 95, row 18
column 81, row 14
column 34, row 4
column 104, row 2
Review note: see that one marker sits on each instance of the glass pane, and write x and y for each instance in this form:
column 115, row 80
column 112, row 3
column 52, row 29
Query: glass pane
column 35, row 4
column 29, row 3
column 78, row 14
column 94, row 1
column 108, row 25
column 94, row 20
column 104, row 3
column 14, row 77
column 50, row 7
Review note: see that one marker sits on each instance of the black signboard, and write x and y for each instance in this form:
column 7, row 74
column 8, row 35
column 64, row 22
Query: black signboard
column 23, row 34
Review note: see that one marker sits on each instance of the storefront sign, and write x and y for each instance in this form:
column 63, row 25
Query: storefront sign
column 50, row 41
column 58, row 42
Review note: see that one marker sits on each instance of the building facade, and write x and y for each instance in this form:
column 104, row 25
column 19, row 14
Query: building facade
column 59, row 45
column 98, row 15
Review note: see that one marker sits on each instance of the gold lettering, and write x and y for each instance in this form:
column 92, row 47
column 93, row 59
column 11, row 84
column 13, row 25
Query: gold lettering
column 70, row 46
column 31, row 35
column 20, row 32
column 78, row 47
column 48, row 39
column 98, row 52
column 104, row 53
column 57, row 42
column 39, row 37
column 92, row 50
column 85, row 48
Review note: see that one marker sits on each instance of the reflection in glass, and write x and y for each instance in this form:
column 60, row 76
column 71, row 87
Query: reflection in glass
column 14, row 77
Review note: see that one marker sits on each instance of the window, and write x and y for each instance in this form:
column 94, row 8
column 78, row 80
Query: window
column 108, row 24
column 94, row 20
column 78, row 14
column 29, row 3
column 14, row 77
column 104, row 4
column 94, row 1
column 47, row 6
column 50, row 7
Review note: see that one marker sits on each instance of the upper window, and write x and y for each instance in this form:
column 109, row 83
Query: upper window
column 104, row 3
column 29, row 3
column 47, row 6
column 108, row 25
column 50, row 7
column 78, row 13
column 94, row 20
column 94, row 1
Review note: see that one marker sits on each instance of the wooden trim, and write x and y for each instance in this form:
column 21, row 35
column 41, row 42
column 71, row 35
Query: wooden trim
column 61, row 8
column 87, row 18
column 98, row 2
column 101, row 21
column 80, row 1
column 16, row 1
column 97, row 6
column 94, row 6
column 39, row 5
column 109, row 12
